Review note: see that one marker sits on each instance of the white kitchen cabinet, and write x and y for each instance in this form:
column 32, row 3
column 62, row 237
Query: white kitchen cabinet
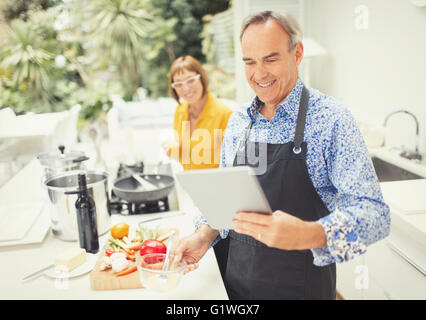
column 375, row 291
column 395, row 275
column 349, row 278
column 390, row 276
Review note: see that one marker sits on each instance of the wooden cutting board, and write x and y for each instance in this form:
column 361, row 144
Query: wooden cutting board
column 106, row 280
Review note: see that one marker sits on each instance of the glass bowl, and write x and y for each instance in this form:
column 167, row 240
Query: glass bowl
column 152, row 276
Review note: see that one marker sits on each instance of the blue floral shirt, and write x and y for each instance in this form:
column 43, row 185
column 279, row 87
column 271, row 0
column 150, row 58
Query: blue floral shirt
column 338, row 163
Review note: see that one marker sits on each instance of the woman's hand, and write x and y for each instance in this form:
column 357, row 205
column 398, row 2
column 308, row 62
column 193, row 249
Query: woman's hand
column 171, row 149
column 280, row 230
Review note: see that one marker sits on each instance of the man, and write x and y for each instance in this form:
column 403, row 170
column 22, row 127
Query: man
column 319, row 179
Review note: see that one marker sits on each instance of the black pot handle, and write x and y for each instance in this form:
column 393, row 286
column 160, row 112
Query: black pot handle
column 81, row 159
column 72, row 192
column 77, row 191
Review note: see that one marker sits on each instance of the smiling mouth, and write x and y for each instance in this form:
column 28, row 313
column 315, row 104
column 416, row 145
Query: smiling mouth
column 189, row 95
column 266, row 84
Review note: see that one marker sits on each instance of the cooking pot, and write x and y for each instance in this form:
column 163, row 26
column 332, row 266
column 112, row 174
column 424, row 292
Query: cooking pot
column 63, row 213
column 60, row 161
column 128, row 189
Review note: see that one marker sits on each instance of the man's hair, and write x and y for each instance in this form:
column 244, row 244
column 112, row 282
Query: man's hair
column 287, row 21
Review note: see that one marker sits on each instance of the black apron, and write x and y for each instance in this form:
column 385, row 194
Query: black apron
column 255, row 271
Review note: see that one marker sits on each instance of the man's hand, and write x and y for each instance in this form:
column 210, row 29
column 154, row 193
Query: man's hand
column 280, row 230
column 193, row 247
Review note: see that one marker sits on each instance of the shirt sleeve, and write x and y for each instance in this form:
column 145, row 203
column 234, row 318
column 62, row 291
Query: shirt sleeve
column 361, row 217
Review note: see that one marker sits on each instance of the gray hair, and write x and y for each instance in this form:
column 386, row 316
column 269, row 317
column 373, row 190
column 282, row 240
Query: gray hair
column 287, row 21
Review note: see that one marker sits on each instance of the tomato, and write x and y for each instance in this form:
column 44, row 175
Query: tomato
column 152, row 246
column 109, row 252
column 120, row 230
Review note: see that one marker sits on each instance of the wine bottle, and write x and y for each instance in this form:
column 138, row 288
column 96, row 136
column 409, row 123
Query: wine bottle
column 86, row 218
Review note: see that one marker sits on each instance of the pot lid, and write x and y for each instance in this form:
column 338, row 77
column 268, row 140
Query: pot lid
column 60, row 158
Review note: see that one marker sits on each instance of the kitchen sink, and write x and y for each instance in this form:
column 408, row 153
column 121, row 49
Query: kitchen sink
column 389, row 172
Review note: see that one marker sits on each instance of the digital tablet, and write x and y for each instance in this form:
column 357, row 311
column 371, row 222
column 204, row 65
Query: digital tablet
column 220, row 193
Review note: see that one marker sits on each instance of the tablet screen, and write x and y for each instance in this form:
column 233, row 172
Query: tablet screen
column 220, row 193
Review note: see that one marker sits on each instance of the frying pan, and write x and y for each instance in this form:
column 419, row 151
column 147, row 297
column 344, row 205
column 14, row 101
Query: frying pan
column 128, row 189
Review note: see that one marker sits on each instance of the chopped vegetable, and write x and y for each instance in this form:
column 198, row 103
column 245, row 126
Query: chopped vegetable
column 128, row 270
column 147, row 233
column 136, row 246
column 119, row 264
column 117, row 255
column 109, row 252
column 105, row 264
column 120, row 244
column 131, row 258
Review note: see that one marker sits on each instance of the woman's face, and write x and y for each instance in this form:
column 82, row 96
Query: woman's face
column 188, row 85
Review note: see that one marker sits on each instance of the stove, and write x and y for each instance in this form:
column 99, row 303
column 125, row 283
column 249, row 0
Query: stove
column 120, row 206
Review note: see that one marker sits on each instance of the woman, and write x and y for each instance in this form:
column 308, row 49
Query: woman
column 200, row 118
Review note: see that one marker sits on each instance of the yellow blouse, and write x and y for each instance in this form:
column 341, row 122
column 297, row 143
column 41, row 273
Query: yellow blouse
column 201, row 150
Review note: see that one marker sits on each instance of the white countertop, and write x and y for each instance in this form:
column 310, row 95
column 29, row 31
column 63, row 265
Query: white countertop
column 394, row 158
column 395, row 192
column 406, row 199
column 20, row 260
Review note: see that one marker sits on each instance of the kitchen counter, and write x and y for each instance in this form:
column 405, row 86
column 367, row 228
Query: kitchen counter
column 17, row 261
column 406, row 246
column 393, row 268
column 415, row 166
column 405, row 195
column 407, row 202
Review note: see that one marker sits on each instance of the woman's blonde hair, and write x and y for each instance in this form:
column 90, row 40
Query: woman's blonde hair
column 186, row 63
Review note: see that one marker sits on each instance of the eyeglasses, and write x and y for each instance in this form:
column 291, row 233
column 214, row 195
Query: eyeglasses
column 188, row 82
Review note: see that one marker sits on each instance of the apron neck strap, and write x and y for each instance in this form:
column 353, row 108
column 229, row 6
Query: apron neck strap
column 301, row 118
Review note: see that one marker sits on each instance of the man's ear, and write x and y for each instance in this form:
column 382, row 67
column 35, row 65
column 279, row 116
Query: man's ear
column 298, row 52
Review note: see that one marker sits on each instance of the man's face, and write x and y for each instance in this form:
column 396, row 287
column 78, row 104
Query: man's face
column 271, row 69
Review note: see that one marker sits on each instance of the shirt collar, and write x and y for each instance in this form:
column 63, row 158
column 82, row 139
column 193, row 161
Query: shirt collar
column 290, row 105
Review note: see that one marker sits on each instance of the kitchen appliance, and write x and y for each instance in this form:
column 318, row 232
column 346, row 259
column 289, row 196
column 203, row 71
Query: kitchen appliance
column 130, row 190
column 164, row 201
column 59, row 161
column 63, row 213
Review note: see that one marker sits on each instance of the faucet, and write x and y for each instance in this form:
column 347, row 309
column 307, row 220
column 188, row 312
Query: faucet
column 413, row 155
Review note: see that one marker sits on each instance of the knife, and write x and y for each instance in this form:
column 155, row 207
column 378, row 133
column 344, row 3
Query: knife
column 38, row 272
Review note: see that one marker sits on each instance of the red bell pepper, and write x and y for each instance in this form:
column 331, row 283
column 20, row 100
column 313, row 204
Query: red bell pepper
column 152, row 246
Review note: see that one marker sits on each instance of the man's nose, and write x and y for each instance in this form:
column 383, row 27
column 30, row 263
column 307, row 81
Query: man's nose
column 260, row 72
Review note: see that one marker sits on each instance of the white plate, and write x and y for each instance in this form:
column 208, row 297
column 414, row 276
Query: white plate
column 80, row 270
